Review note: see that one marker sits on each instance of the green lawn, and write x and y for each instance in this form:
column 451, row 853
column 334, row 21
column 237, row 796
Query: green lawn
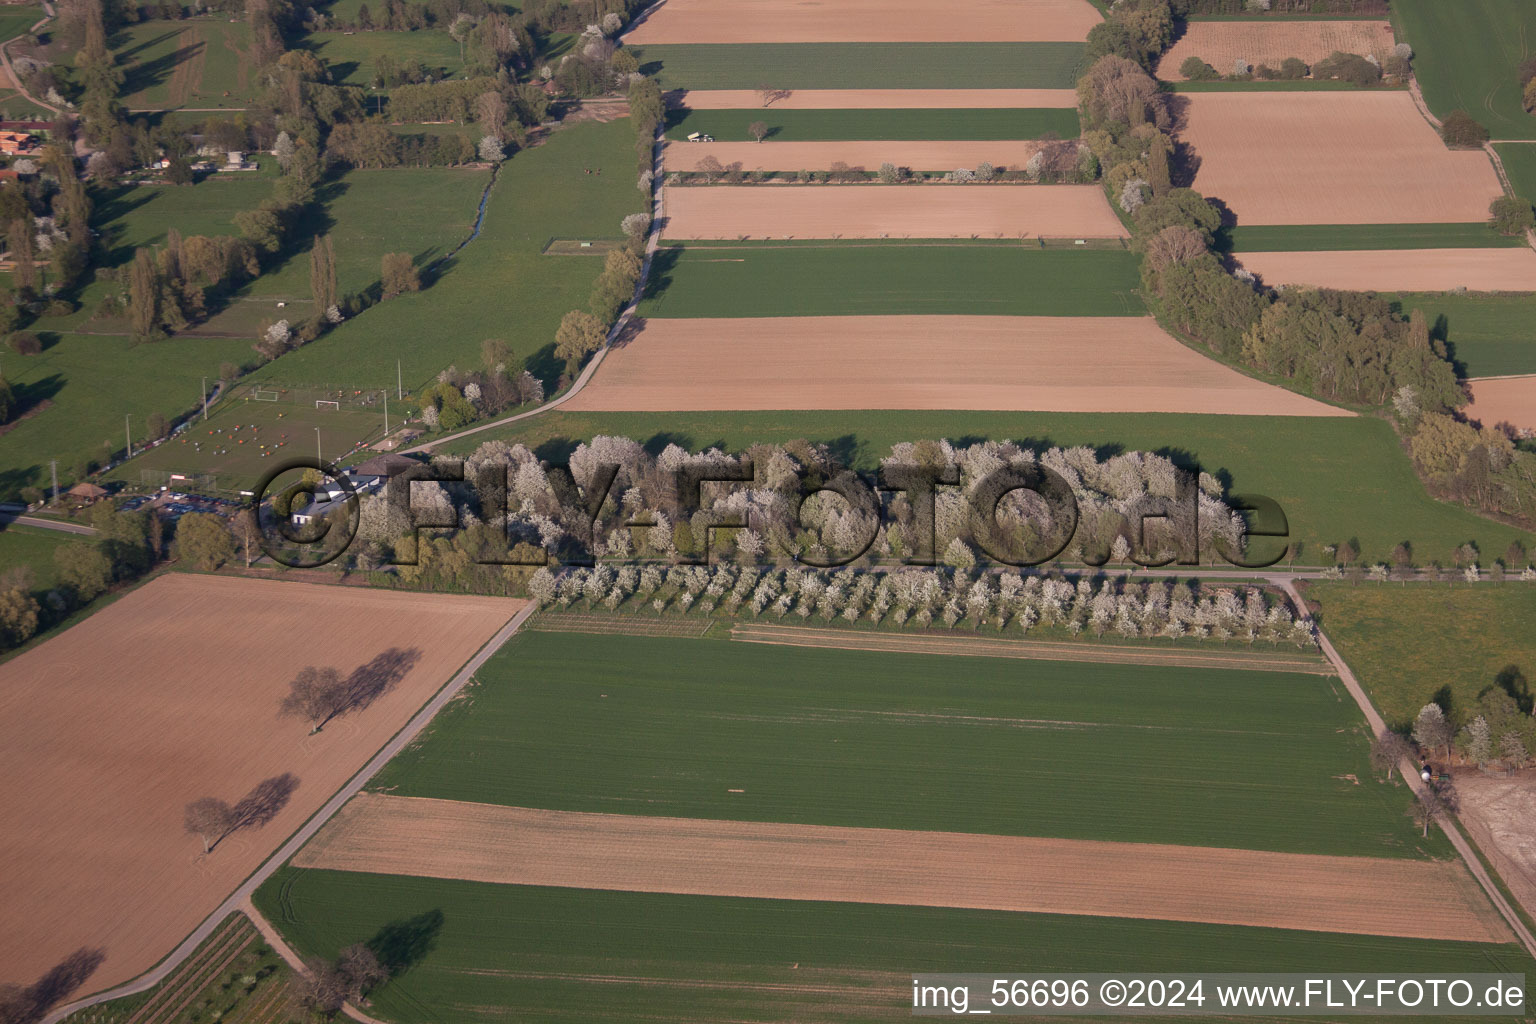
column 1519, row 160
column 828, row 280
column 17, row 20
column 498, row 286
column 858, row 125
column 32, row 548
column 863, row 65
column 1488, row 335
column 656, row 726
column 1466, row 56
column 199, row 62
column 353, row 59
column 1320, row 237
column 477, row 951
column 90, row 383
column 1336, row 479
column 1407, row 643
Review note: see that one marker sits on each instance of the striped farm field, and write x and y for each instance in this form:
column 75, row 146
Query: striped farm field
column 1332, row 158
column 1324, row 237
column 536, row 954
column 912, row 154
column 1222, row 43
column 789, row 124
column 797, row 66
column 891, row 21
column 701, row 728
column 888, row 211
column 1060, row 364
column 877, row 99
column 846, row 278
column 1392, row 270
column 395, row 835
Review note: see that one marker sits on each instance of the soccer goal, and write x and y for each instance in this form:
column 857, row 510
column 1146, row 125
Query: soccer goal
column 325, row 403
column 258, row 395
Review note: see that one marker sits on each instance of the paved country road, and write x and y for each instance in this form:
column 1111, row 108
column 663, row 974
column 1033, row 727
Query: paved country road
column 241, row 896
column 22, row 519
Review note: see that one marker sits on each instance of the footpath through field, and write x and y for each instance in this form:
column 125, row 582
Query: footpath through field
column 513, row 845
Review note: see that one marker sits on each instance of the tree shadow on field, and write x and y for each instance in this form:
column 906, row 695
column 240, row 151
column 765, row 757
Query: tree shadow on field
column 1513, row 682
column 400, row 945
column 370, row 681
column 662, row 265
column 26, row 1005
column 265, row 802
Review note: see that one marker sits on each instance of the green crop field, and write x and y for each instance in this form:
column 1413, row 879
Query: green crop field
column 1320, row 237
column 1336, row 479
column 1466, row 57
column 856, row 125
column 353, row 58
column 32, row 548
column 1147, row 754
column 498, row 286
column 199, row 62
column 863, row 65
column 767, row 280
column 1487, row 335
column 1407, row 643
column 468, row 951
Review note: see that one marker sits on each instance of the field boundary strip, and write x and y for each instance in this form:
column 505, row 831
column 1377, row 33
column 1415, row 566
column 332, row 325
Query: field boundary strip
column 498, row 844
column 1037, row 650
column 578, row 622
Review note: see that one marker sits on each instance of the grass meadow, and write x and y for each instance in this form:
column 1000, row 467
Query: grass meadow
column 702, row 280
column 1337, row 479
column 353, row 58
column 31, row 548
column 1321, row 237
column 1407, row 643
column 1486, row 335
column 1466, row 56
column 880, row 125
column 199, row 62
column 469, row 950
column 91, row 374
column 863, row 65
column 17, row 20
column 1149, row 754
column 499, row 285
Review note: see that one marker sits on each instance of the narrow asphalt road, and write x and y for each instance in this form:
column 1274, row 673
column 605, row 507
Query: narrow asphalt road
column 241, row 895
column 22, row 519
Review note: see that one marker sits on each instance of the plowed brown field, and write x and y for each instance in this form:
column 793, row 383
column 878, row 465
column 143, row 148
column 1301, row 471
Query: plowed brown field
column 864, row 21
column 1332, row 158
column 1498, row 400
column 1400, row 270
column 514, row 845
column 915, row 154
column 171, row 694
column 878, row 99
column 1220, row 43
column 1044, row 364
column 896, row 211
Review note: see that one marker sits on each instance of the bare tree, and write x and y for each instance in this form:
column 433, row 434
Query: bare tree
column 320, row 694
column 1434, row 800
column 210, row 819
column 359, row 966
column 1388, row 751
column 758, row 130
column 313, row 695
column 325, row 985
column 711, row 168
column 769, row 95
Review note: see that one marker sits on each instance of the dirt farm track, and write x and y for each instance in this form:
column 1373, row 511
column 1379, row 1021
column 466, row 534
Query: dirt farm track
column 863, row 21
column 167, row 696
column 895, row 211
column 1332, row 158
column 490, row 843
column 1042, row 364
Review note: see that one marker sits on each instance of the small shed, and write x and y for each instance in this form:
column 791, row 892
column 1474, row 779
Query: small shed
column 87, row 492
